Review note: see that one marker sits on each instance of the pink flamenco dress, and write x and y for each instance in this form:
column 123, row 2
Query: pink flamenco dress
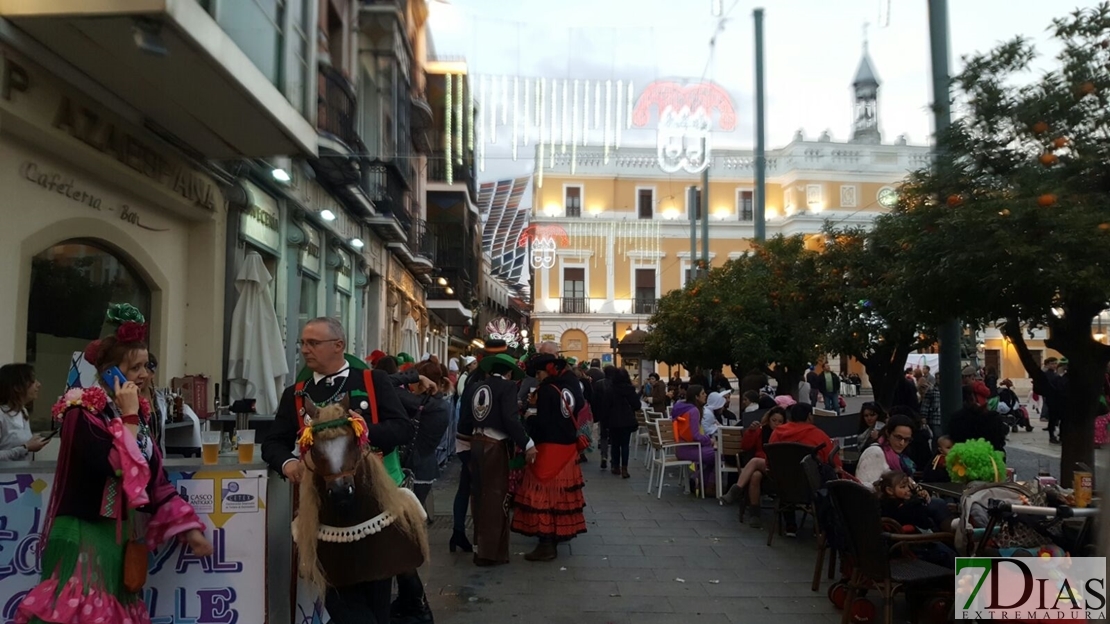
column 110, row 488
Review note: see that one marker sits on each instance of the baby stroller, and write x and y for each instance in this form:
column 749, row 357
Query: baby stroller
column 1016, row 520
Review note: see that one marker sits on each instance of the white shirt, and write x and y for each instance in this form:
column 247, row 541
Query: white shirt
column 709, row 422
column 15, row 431
column 318, row 377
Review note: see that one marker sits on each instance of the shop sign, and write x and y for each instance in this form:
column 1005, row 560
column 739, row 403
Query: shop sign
column 227, row 586
column 25, row 94
column 402, row 279
column 344, row 225
column 343, row 272
column 261, row 221
column 310, row 253
column 76, row 191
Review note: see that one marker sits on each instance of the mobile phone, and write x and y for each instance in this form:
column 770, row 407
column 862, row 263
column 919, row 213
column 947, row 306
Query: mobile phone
column 879, row 425
column 112, row 375
column 51, row 434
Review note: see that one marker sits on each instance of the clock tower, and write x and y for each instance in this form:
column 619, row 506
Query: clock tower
column 865, row 125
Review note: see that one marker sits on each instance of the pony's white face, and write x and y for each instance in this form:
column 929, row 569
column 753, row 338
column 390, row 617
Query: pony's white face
column 335, row 458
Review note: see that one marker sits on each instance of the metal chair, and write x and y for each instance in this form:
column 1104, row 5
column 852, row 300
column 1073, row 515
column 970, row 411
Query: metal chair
column 663, row 447
column 876, row 553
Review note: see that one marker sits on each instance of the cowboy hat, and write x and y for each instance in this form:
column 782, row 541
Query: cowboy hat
column 540, row 361
column 501, row 363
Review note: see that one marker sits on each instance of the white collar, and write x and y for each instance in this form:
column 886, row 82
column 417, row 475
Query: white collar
column 317, row 377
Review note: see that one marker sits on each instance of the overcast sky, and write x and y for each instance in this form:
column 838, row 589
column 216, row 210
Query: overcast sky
column 812, row 50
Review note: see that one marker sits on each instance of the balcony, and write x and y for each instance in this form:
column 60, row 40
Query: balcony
column 337, row 111
column 644, row 305
column 451, row 303
column 387, row 190
column 574, row 305
column 193, row 81
column 418, row 253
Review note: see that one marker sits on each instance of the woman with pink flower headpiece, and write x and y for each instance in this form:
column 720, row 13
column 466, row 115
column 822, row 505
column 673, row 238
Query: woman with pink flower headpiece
column 111, row 501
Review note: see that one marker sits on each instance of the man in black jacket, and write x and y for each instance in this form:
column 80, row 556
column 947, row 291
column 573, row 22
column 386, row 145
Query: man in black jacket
column 329, row 374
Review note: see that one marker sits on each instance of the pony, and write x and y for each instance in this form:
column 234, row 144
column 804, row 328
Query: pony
column 353, row 523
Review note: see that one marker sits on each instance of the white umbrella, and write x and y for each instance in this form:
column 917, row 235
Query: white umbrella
column 256, row 361
column 410, row 342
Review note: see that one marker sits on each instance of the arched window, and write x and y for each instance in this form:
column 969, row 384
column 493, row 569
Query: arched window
column 72, row 284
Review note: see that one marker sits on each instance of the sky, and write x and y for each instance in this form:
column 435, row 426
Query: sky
column 812, row 50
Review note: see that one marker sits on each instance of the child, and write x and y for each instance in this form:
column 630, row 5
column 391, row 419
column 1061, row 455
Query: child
column 900, row 502
column 937, row 472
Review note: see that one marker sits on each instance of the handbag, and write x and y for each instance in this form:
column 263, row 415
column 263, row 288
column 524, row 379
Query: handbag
column 135, row 563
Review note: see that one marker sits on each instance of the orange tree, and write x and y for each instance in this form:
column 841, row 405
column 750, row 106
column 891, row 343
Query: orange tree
column 754, row 312
column 868, row 313
column 1012, row 225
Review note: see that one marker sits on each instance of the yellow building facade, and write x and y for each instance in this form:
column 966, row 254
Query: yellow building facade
column 612, row 238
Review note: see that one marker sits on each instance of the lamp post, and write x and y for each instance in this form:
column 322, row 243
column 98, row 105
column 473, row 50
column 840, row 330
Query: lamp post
column 760, row 204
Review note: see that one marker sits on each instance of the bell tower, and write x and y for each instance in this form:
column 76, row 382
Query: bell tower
column 865, row 123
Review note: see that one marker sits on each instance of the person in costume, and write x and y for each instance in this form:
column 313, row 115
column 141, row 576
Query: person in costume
column 111, row 501
column 18, row 388
column 329, row 375
column 497, row 433
column 549, row 503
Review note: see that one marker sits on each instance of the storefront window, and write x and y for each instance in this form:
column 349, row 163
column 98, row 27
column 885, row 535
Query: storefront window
column 345, row 314
column 307, row 310
column 72, row 285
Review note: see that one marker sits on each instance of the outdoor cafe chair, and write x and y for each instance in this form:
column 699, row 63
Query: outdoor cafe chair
column 728, row 445
column 663, row 446
column 788, row 482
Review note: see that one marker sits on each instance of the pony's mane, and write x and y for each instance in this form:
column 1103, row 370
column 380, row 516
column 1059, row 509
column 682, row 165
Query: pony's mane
column 372, row 480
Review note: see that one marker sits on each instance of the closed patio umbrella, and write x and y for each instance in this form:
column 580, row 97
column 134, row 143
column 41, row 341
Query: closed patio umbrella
column 256, row 360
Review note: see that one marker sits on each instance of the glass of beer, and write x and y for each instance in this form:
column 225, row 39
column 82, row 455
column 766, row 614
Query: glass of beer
column 210, row 447
column 246, row 445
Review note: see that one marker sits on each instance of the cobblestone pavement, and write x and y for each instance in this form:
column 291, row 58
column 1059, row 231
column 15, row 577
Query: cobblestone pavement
column 643, row 560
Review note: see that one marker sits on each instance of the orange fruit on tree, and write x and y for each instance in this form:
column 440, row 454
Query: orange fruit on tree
column 955, row 200
column 1040, row 127
column 1104, row 227
column 1087, row 88
column 1046, row 200
column 1048, row 159
column 1060, row 142
column 1005, row 212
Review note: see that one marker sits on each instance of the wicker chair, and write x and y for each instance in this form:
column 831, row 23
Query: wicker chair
column 788, row 481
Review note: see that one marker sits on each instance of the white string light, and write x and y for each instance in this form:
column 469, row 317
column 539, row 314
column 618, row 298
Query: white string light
column 563, row 126
column 492, row 109
column 574, row 131
column 447, row 123
column 597, row 105
column 527, row 110
column 469, row 116
column 608, row 117
column 628, row 116
column 504, row 100
column 516, row 110
column 540, row 114
column 459, row 119
column 553, row 135
column 620, row 110
column 586, row 113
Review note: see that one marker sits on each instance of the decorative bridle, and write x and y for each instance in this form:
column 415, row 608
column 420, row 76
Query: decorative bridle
column 307, row 437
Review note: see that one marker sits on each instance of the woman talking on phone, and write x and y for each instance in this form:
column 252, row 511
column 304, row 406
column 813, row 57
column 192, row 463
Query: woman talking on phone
column 111, row 501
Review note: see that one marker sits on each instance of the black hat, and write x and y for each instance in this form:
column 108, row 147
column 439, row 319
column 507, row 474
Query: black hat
column 540, row 361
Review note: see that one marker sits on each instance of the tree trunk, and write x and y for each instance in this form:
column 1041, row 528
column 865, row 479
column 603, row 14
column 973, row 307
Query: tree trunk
column 885, row 372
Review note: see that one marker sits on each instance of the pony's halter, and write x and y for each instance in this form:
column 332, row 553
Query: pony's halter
column 357, row 424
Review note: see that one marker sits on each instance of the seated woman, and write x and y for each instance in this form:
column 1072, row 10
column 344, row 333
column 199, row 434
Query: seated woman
column 872, row 419
column 689, row 410
column 751, row 476
column 889, row 453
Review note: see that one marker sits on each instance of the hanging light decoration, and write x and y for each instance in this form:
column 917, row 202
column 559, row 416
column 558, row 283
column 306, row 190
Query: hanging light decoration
column 459, row 119
column 608, row 117
column 479, row 126
column 516, row 110
column 585, row 113
column 574, row 132
column 447, row 123
column 504, row 100
column 628, row 114
column 527, row 110
column 597, row 105
column 620, row 111
column 541, row 93
column 553, row 134
column 492, row 109
column 470, row 116
column 563, row 127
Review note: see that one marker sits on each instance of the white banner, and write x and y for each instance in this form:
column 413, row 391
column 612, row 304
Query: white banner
column 227, row 587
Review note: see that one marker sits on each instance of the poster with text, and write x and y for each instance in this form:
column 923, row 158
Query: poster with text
column 227, row 587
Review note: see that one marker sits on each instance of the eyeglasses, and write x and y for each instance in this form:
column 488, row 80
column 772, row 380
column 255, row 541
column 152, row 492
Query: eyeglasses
column 900, row 438
column 312, row 344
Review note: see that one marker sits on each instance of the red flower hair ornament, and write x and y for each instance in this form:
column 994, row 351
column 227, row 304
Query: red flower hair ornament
column 131, row 331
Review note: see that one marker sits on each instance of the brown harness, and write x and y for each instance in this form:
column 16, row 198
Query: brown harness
column 372, row 399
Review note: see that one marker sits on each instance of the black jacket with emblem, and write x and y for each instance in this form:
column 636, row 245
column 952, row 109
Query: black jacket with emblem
column 553, row 421
column 492, row 405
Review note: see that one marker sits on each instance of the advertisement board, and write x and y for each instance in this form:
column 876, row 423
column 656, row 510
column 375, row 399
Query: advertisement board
column 227, row 587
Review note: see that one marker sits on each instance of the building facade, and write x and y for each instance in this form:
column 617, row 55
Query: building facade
column 610, row 227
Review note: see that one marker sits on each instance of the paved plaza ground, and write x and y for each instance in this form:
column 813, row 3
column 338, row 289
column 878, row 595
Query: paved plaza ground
column 647, row 560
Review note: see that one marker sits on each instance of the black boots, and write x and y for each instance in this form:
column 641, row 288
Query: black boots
column 545, row 551
column 458, row 540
